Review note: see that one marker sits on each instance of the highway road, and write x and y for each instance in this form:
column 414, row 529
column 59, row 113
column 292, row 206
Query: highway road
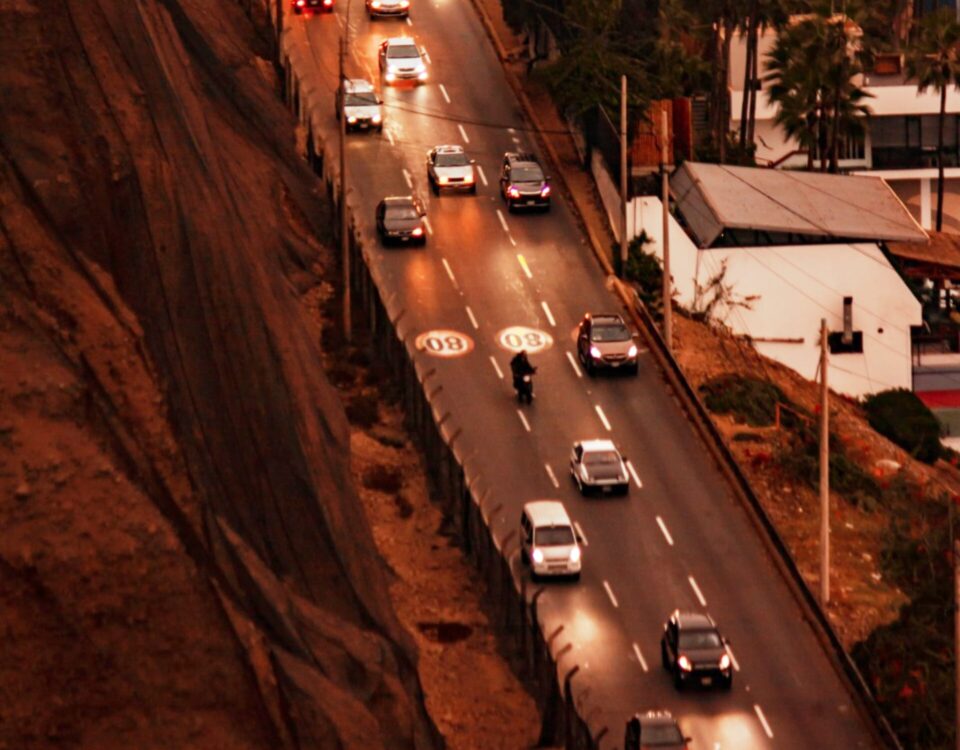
column 679, row 539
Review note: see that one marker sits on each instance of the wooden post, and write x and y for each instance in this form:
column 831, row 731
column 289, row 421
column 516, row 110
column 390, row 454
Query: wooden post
column 665, row 199
column 824, row 470
column 624, row 241
column 344, row 228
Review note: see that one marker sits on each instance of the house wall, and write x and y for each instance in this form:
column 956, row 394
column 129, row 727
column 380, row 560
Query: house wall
column 796, row 287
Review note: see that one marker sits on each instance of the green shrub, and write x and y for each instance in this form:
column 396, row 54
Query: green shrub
column 362, row 410
column 747, row 399
column 904, row 419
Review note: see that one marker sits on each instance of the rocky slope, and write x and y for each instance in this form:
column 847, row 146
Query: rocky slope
column 184, row 560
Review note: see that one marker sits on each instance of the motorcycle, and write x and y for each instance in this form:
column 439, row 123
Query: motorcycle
column 524, row 385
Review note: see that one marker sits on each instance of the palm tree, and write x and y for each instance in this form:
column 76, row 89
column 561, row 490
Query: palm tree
column 934, row 60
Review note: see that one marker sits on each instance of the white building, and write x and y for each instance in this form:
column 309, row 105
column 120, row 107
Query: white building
column 804, row 246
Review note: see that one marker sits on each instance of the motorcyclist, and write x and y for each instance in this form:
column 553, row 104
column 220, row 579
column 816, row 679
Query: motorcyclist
column 520, row 366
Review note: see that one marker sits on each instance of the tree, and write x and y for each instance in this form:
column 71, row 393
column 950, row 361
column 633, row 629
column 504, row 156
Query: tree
column 934, row 60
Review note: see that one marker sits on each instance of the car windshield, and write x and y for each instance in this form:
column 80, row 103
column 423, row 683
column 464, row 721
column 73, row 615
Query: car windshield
column 458, row 159
column 611, row 332
column 403, row 51
column 526, row 174
column 366, row 99
column 402, row 212
column 662, row 734
column 699, row 639
column 552, row 536
column 599, row 458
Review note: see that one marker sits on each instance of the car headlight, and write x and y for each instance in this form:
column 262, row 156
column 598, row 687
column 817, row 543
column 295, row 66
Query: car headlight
column 351, row 120
column 375, row 4
column 468, row 178
column 632, row 352
column 422, row 75
column 513, row 192
column 390, row 76
column 537, row 555
column 684, row 663
column 404, row 3
column 545, row 191
column 444, row 180
column 595, row 352
column 417, row 232
column 725, row 662
column 376, row 118
column 575, row 555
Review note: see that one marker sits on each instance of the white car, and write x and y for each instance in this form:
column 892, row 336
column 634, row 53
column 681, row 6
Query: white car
column 399, row 8
column 358, row 102
column 548, row 542
column 400, row 60
column 598, row 465
column 448, row 168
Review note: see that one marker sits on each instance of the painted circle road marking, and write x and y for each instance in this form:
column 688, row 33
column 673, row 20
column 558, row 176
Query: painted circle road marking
column 519, row 338
column 444, row 343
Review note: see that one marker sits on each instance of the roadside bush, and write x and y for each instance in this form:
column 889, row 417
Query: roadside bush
column 904, row 419
column 382, row 478
column 747, row 399
column 646, row 272
column 362, row 410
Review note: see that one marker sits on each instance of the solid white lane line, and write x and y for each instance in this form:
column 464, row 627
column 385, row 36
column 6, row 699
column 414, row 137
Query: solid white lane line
column 763, row 720
column 553, row 477
column 583, row 537
column 426, row 56
column 472, row 317
column 573, row 363
column 503, row 221
column 696, row 590
column 603, row 417
column 613, row 599
column 428, row 225
column 406, row 176
column 523, row 264
column 496, row 367
column 733, row 659
column 636, row 477
column 663, row 528
column 483, row 177
column 449, row 271
column 463, row 133
column 443, row 91
column 523, row 418
column 546, row 311
column 643, row 662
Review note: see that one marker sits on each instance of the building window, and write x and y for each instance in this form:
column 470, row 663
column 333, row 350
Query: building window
column 837, row 345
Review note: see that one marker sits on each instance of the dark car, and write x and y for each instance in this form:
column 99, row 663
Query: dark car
column 605, row 342
column 400, row 219
column 311, row 7
column 523, row 183
column 695, row 652
column 657, row 729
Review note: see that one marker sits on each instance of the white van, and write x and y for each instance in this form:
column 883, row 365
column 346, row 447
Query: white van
column 549, row 544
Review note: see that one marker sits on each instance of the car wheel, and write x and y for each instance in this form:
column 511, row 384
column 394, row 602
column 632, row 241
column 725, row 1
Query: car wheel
column 524, row 558
column 727, row 683
column 664, row 659
column 576, row 577
column 677, row 679
column 510, row 205
column 634, row 369
column 434, row 187
column 590, row 367
column 473, row 190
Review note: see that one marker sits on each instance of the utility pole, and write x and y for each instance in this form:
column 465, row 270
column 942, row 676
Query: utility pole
column 623, row 177
column 665, row 200
column 344, row 228
column 824, row 470
column 956, row 620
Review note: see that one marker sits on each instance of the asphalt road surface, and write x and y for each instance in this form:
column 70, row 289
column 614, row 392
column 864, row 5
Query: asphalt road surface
column 679, row 540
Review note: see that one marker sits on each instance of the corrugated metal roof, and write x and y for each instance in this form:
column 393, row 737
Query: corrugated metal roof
column 943, row 250
column 714, row 197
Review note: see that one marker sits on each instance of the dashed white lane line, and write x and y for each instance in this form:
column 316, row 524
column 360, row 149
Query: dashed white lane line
column 390, row 137
column 512, row 241
column 613, row 599
column 463, row 133
column 697, row 591
column 523, row 263
column 426, row 56
column 473, row 318
column 503, row 221
column 483, row 177
column 443, row 91
column 553, row 477
column 449, row 271
column 603, row 417
column 523, row 418
column 643, row 662
column 666, row 533
column 428, row 225
column 511, row 130
column 583, row 537
column 636, row 477
column 733, row 659
column 407, row 177
column 496, row 367
column 546, row 311
column 763, row 720
column 409, row 22
column 573, row 363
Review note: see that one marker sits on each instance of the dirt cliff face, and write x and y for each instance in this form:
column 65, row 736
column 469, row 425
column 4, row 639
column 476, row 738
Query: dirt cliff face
column 184, row 561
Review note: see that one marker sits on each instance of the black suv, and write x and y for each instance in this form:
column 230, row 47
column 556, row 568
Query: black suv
column 523, row 183
column 694, row 651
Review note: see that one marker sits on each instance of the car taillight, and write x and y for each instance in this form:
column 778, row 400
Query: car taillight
column 513, row 192
column 545, row 191
column 417, row 232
